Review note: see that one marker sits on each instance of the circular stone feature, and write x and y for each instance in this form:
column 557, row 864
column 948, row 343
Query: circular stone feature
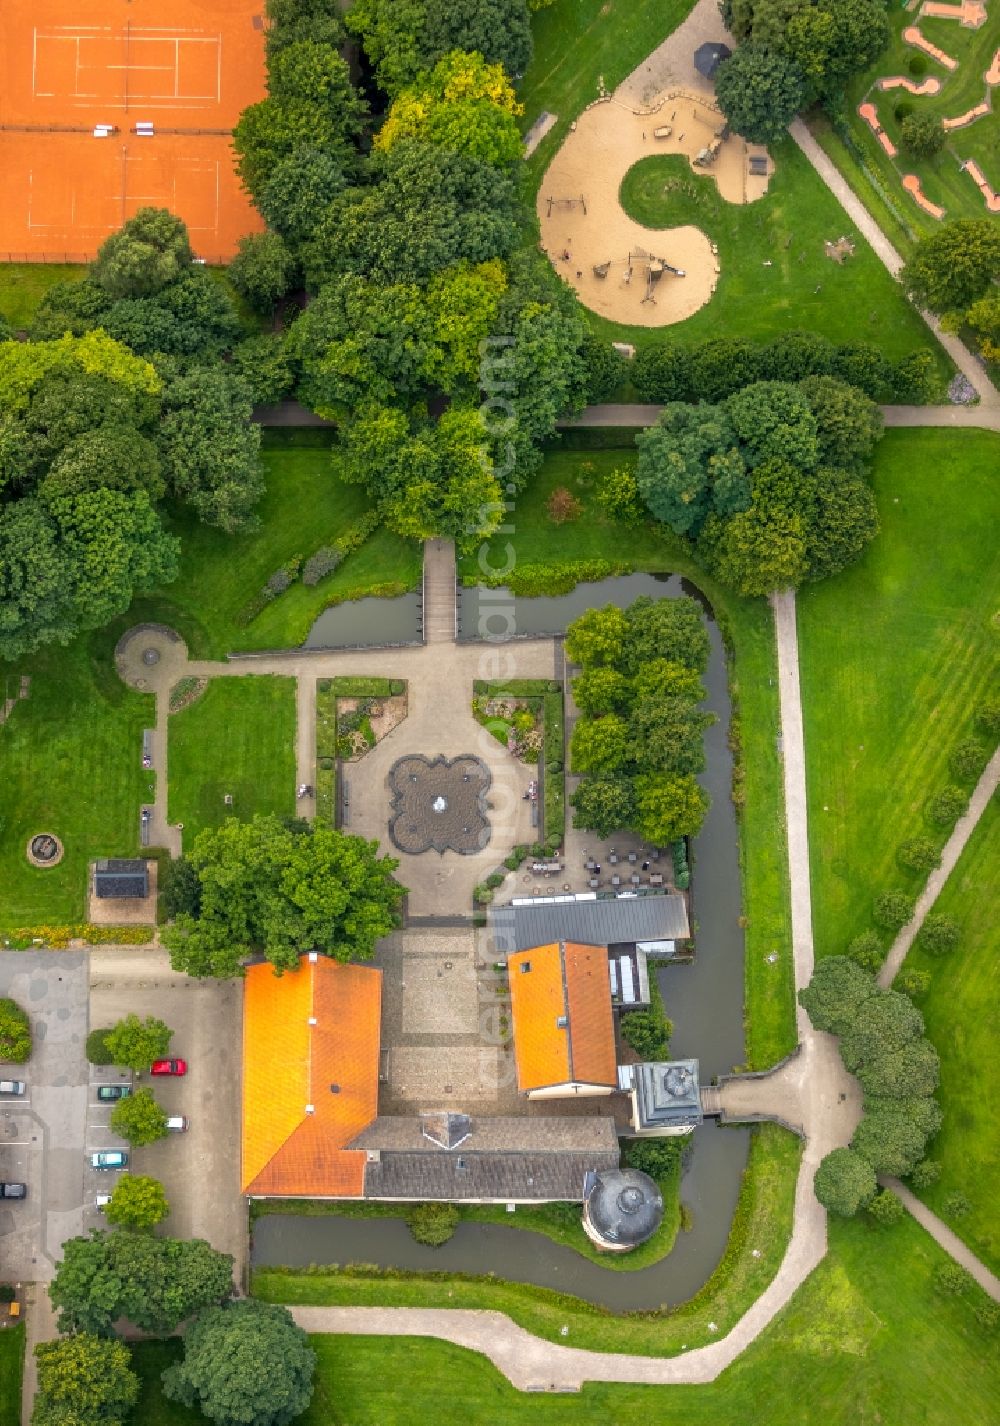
column 150, row 657
column 45, row 849
column 439, row 805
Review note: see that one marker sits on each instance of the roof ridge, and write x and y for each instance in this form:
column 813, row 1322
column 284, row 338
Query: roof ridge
column 569, row 1027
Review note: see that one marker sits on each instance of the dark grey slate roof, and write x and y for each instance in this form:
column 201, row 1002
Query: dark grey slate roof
column 667, row 1094
column 504, row 1177
column 624, row 1207
column 116, row 877
column 607, row 922
column 504, row 1134
column 445, row 1130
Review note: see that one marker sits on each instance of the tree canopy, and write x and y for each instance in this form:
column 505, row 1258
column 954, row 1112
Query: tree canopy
column 139, row 1119
column 404, row 37
column 84, row 1380
column 149, row 251
column 135, row 1043
column 245, row 1364
column 463, row 104
column 269, row 889
column 760, row 91
column 845, row 1182
column 138, row 1202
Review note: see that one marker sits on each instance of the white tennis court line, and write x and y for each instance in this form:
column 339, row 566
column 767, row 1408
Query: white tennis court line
column 139, row 35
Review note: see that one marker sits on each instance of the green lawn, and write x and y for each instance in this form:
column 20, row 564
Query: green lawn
column 802, row 288
column 70, row 763
column 237, row 738
column 895, row 656
column 24, row 284
column 865, row 1342
column 748, row 629
column 11, row 1361
column 306, row 505
column 580, row 42
column 962, row 1009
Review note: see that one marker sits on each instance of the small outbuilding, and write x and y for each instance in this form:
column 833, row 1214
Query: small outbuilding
column 121, row 879
column 621, row 1209
column 709, row 56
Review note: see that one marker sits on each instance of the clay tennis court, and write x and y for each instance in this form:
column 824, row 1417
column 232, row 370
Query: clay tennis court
column 164, row 81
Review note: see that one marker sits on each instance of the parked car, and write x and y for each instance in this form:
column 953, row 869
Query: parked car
column 109, row 1159
column 101, row 1201
column 177, row 1123
column 113, row 1091
column 13, row 1190
column 12, row 1086
column 168, row 1067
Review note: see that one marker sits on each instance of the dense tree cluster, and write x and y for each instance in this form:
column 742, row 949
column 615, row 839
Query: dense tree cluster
column 403, row 38
column 882, row 1042
column 954, row 271
column 768, row 484
column 794, row 53
column 639, row 739
column 262, row 887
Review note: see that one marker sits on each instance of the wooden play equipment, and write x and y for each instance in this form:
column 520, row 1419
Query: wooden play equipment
column 705, row 157
column 567, row 204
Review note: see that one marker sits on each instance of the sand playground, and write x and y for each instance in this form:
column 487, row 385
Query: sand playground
column 649, row 277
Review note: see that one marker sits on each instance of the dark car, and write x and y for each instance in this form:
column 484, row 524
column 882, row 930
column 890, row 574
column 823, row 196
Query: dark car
column 113, row 1091
column 168, row 1067
column 13, row 1190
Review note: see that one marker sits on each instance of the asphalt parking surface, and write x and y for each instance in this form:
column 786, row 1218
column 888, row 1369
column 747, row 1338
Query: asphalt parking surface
column 198, row 1169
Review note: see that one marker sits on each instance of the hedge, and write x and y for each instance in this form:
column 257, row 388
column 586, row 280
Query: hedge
column 57, row 938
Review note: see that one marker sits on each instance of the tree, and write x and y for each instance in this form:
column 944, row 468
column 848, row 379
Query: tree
column 967, row 760
column 597, row 637
column 918, row 854
column 297, row 190
column 988, row 717
column 15, row 1033
column 618, row 496
column 599, row 744
column 180, row 887
column 209, row 447
column 773, row 421
column 84, row 1381
column 867, row 951
column 139, row 1119
column 136, row 1043
column 191, row 317
column 149, row 251
column 245, row 1364
column 605, row 369
column 835, row 994
column 156, row 1283
column 848, row 423
column 403, row 37
column 842, row 519
column 681, row 459
column 844, row 1182
column 984, row 319
column 267, row 888
column 923, row 134
column 600, row 690
column 955, row 265
column 913, row 983
column 661, row 372
column 263, row 364
column 886, row 1208
column 883, row 1024
column 110, row 457
column 137, row 1201
column 463, row 104
column 667, row 734
column 903, row 1073
column 263, row 270
column 668, row 806
column 603, row 804
column 952, row 1280
column 890, row 1142
column 892, row 910
column 939, row 934
column 760, row 91
column 926, row 1173
column 722, row 366
column 760, row 550
column 665, row 630
column 946, row 806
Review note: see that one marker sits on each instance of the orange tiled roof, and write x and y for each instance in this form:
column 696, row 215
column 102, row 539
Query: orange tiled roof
column 289, row 1064
column 571, row 981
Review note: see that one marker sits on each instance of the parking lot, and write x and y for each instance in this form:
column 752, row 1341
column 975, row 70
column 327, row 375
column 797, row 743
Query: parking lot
column 199, row 1169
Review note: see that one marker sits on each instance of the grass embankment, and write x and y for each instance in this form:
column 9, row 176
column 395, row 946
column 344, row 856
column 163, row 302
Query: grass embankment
column 896, row 654
column 762, row 1222
column 306, row 505
column 748, row 629
column 558, row 1221
column 11, row 1366
column 962, row 1010
column 578, row 43
column 24, row 284
column 866, row 1339
column 941, row 177
column 236, row 739
column 71, row 764
column 774, row 274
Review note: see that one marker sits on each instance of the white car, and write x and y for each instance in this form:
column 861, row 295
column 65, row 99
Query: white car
column 101, row 1201
column 177, row 1124
column 12, row 1086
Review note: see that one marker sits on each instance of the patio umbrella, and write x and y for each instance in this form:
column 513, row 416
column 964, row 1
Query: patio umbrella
column 708, row 57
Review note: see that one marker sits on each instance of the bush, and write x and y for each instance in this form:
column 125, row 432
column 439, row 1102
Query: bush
column 946, row 806
column 952, row 1281
column 433, row 1223
column 886, row 1208
column 618, row 496
column 563, row 506
column 867, row 950
column 918, row 854
column 321, row 563
column 939, row 935
column 15, row 1033
column 97, row 1047
column 180, row 888
column 987, row 1315
column 396, row 687
column 8, row 1292
column 495, row 879
column 482, row 894
column 913, row 983
column 922, row 134
column 892, row 910
column 926, row 1173
column 988, row 717
column 657, row 1157
column 648, row 1031
column 967, row 760
column 956, row 1205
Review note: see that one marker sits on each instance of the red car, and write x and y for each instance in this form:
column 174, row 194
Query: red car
column 169, row 1067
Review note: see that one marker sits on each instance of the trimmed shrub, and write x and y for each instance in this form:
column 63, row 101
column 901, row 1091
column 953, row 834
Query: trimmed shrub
column 892, row 910
column 967, row 760
column 396, row 687
column 15, row 1033
column 939, row 935
column 926, row 1174
column 495, row 879
column 867, row 950
column 433, row 1223
column 321, row 563
column 886, row 1208
column 483, row 894
column 988, row 717
column 946, row 806
column 952, row 1281
column 918, row 854
column 97, row 1047
column 913, row 983
column 844, row 1182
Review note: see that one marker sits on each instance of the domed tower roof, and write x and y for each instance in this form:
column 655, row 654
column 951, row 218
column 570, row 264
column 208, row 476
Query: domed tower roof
column 623, row 1208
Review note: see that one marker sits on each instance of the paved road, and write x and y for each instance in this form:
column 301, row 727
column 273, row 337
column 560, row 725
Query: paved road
column 953, row 849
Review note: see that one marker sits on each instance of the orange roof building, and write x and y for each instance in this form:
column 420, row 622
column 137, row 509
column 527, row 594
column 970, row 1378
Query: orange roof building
column 564, row 1034
column 311, row 1044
